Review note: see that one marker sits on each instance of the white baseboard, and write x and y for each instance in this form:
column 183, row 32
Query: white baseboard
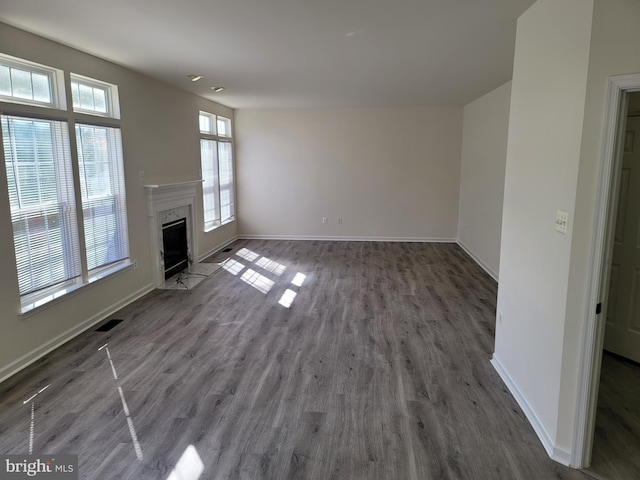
column 26, row 360
column 217, row 248
column 350, row 239
column 483, row 265
column 554, row 451
column 562, row 455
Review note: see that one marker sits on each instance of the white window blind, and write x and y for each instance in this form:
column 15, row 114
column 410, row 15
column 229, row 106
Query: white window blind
column 103, row 196
column 41, row 198
column 225, row 169
column 210, row 185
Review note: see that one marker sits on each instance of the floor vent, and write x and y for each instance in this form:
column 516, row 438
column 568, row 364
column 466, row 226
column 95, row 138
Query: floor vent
column 227, row 250
column 108, row 326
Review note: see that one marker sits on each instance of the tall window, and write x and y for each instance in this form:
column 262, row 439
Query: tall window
column 103, row 196
column 38, row 163
column 216, row 157
column 38, row 159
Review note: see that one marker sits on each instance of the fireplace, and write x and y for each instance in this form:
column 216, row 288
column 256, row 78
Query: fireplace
column 172, row 213
column 168, row 204
column 174, row 246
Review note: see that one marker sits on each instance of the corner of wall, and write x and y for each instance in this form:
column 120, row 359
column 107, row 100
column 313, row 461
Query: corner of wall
column 556, row 452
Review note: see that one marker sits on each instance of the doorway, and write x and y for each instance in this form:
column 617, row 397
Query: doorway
column 599, row 399
column 617, row 425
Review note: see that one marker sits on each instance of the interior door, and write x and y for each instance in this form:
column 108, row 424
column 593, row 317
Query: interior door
column 623, row 311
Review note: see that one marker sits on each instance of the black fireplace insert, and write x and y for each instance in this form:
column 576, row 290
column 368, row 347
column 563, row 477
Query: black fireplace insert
column 174, row 244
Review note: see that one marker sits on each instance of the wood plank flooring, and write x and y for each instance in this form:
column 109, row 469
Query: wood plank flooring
column 616, row 445
column 378, row 369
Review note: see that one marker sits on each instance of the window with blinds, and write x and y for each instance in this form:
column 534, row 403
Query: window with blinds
column 225, row 169
column 210, row 185
column 216, row 156
column 41, row 196
column 48, row 225
column 103, row 195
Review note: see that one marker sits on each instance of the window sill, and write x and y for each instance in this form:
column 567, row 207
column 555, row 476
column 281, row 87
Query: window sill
column 209, row 230
column 34, row 304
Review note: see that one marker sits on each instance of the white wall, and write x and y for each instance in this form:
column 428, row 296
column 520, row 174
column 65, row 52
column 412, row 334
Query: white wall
column 160, row 137
column 388, row 172
column 543, row 155
column 484, row 154
column 614, row 51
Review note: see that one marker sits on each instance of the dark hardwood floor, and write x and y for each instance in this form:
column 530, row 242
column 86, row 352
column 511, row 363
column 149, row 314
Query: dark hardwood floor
column 378, row 369
column 616, row 444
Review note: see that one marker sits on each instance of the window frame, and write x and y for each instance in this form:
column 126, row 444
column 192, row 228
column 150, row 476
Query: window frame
column 227, row 122
column 212, row 122
column 112, row 100
column 227, row 187
column 64, row 113
column 215, row 220
column 56, row 83
column 117, row 188
column 65, row 203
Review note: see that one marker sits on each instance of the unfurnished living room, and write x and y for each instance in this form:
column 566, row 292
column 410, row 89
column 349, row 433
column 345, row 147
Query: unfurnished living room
column 272, row 239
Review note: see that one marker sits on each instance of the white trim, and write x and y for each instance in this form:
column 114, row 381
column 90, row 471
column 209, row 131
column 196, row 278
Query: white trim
column 216, row 249
column 213, row 229
column 56, row 294
column 475, row 258
column 169, row 187
column 562, row 455
column 599, row 261
column 556, row 453
column 349, row 239
column 27, row 359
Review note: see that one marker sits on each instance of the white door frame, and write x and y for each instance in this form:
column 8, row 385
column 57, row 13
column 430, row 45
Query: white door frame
column 600, row 265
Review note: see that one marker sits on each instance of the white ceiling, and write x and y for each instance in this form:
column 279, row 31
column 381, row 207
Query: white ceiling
column 295, row 53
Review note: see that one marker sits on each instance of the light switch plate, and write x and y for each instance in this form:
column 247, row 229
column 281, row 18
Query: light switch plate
column 562, row 221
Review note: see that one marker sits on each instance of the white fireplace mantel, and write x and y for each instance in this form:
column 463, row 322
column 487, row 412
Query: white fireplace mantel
column 166, row 200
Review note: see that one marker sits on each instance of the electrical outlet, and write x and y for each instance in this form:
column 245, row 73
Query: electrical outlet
column 562, row 221
column 339, row 220
column 141, row 176
column 325, row 220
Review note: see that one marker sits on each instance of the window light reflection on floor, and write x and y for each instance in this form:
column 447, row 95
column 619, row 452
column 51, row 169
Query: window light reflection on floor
column 257, row 281
column 189, row 467
column 232, row 266
column 247, row 254
column 271, row 266
column 298, row 280
column 287, row 298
